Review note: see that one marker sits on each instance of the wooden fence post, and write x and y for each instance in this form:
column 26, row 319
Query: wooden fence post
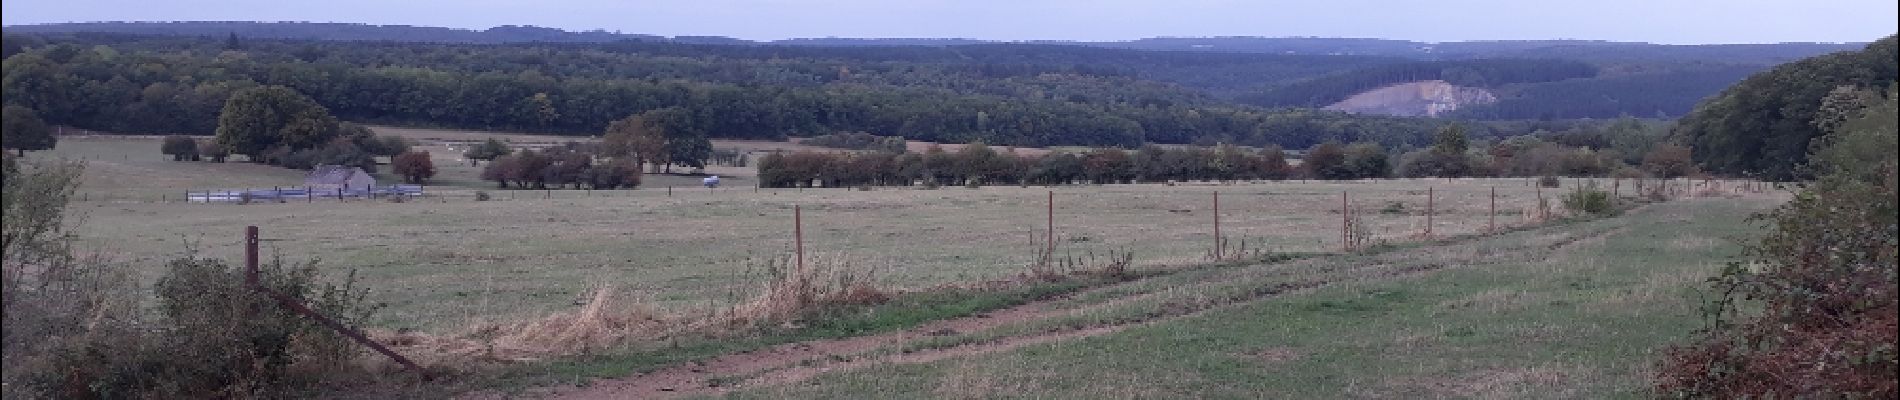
column 1345, row 223
column 1430, row 196
column 798, row 237
column 1493, row 226
column 1218, row 246
column 1049, row 252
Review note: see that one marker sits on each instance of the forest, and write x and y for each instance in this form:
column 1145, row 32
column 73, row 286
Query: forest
column 1016, row 94
column 1766, row 125
column 177, row 85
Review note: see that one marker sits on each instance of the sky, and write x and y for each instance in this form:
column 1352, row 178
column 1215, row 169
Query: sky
column 1656, row 21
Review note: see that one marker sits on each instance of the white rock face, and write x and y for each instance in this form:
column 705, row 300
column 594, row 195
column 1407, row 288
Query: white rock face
column 1414, row 99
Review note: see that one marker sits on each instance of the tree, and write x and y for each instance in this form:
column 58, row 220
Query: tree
column 487, row 150
column 1446, row 157
column 502, row 170
column 1273, row 163
column 212, row 150
column 180, row 147
column 1368, row 160
column 1763, row 125
column 21, row 129
column 1327, row 161
column 662, row 137
column 414, row 166
column 257, row 119
column 1669, row 161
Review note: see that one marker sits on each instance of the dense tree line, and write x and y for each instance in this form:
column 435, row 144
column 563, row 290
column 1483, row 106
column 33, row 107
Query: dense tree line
column 1586, row 50
column 1627, row 148
column 1329, row 89
column 1666, row 92
column 180, row 87
column 1764, row 126
column 978, row 164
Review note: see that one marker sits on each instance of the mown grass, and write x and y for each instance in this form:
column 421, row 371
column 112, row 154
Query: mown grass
column 903, row 311
column 1583, row 322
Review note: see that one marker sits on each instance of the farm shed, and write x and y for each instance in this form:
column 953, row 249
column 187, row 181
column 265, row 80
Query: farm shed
column 338, row 176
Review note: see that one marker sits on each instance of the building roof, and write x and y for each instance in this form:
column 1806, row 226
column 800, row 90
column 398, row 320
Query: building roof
column 332, row 175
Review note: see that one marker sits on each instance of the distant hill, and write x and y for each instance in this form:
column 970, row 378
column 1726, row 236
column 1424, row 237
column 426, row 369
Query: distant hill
column 1586, row 50
column 1530, row 79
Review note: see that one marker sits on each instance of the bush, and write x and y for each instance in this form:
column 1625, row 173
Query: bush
column 74, row 328
column 1549, row 181
column 213, row 150
column 1812, row 314
column 180, row 147
column 217, row 338
column 482, row 195
column 1669, row 161
column 1589, row 201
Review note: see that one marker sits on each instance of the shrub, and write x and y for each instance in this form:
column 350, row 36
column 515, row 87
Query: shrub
column 1669, row 161
column 1813, row 313
column 216, row 338
column 213, row 150
column 74, row 328
column 1590, row 201
column 482, row 195
column 180, row 147
column 1549, row 181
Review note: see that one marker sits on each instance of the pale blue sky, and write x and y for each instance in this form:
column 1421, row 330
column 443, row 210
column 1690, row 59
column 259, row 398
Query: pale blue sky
column 1660, row 21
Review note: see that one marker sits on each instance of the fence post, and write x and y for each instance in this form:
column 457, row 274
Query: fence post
column 1345, row 223
column 308, row 196
column 250, row 256
column 1218, row 253
column 251, row 281
column 1049, row 253
column 547, row 193
column 798, row 236
column 1493, row 227
column 1542, row 208
column 1430, row 195
column 669, row 190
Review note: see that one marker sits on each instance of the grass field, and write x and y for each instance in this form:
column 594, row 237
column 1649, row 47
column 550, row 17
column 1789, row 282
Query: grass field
column 1571, row 310
column 446, row 259
column 1577, row 311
